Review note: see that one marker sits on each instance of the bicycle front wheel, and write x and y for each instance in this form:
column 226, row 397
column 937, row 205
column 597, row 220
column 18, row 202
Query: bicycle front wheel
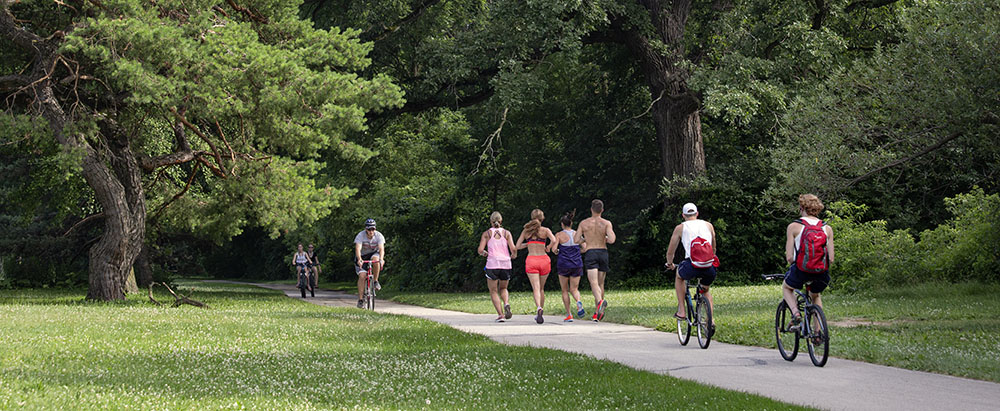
column 788, row 341
column 703, row 320
column 370, row 294
column 818, row 339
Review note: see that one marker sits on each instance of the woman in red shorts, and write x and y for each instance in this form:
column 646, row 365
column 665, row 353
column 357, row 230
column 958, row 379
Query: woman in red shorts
column 537, row 265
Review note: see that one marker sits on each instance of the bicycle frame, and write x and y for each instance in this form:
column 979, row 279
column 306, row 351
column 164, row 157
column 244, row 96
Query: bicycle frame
column 369, row 296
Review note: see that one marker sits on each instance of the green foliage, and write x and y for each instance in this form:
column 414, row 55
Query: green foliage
column 868, row 254
column 964, row 248
column 924, row 109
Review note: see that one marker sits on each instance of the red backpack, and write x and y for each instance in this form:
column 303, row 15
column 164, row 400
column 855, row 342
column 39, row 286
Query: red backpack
column 811, row 255
column 702, row 255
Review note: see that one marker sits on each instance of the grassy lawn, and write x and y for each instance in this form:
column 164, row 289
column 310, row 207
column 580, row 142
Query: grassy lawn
column 944, row 328
column 257, row 349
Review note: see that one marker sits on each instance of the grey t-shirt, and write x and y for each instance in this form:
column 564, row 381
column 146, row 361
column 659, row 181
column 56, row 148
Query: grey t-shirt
column 369, row 245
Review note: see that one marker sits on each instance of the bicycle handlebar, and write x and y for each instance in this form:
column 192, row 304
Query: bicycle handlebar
column 774, row 276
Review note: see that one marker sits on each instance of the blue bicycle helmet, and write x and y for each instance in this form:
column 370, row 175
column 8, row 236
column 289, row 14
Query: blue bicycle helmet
column 370, row 223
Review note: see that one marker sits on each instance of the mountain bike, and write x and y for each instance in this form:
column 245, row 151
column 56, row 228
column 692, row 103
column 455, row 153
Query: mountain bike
column 701, row 320
column 368, row 299
column 812, row 329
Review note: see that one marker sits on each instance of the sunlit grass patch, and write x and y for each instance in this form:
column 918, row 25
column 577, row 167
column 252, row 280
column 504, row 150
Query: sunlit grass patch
column 256, row 349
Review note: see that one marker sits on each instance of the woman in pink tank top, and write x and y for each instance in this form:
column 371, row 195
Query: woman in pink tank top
column 497, row 245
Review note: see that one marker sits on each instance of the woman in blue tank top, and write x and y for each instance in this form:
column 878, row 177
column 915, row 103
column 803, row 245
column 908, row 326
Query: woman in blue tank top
column 569, row 265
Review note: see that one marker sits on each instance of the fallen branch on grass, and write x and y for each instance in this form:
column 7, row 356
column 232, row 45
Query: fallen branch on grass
column 178, row 300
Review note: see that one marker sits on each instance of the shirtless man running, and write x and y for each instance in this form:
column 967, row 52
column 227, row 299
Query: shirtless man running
column 598, row 233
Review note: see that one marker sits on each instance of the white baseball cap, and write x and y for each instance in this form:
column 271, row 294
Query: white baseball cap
column 689, row 209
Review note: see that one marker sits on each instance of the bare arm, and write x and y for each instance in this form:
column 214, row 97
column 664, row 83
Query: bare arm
column 520, row 242
column 610, row 233
column 552, row 240
column 510, row 243
column 715, row 240
column 482, row 243
column 675, row 238
column 790, row 243
column 357, row 254
column 578, row 235
column 381, row 254
column 829, row 245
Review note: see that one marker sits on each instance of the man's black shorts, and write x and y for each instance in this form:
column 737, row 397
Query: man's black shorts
column 688, row 272
column 596, row 258
column 795, row 278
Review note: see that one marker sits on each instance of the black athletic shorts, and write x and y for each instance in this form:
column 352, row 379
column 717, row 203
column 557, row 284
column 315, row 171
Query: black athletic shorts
column 501, row 274
column 596, row 258
column 688, row 272
column 795, row 278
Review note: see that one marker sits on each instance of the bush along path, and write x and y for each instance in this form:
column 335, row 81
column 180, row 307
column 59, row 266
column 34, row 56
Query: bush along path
column 841, row 384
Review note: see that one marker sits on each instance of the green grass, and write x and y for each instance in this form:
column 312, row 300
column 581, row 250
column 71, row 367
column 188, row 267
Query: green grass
column 944, row 328
column 257, row 349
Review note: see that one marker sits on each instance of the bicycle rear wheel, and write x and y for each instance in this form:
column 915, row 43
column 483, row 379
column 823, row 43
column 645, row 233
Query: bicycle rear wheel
column 788, row 341
column 703, row 320
column 684, row 326
column 818, row 339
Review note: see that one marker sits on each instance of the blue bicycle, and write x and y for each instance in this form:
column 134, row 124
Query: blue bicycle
column 812, row 329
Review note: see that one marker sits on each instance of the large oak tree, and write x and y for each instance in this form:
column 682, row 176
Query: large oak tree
column 156, row 100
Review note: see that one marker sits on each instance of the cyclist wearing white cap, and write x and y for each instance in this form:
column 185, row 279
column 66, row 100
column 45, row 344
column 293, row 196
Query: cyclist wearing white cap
column 698, row 239
column 368, row 245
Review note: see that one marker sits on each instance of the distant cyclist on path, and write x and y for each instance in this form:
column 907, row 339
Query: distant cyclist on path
column 597, row 233
column 368, row 245
column 497, row 245
column 301, row 262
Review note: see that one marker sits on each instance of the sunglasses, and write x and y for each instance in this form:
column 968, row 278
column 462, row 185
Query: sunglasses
column 370, row 229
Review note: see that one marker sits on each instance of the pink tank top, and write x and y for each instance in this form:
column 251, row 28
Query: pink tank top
column 498, row 255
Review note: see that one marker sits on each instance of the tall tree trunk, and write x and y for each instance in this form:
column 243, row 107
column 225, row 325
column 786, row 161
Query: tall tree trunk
column 675, row 111
column 143, row 270
column 119, row 191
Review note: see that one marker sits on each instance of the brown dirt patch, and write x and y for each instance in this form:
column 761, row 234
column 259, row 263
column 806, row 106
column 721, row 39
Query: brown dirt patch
column 860, row 322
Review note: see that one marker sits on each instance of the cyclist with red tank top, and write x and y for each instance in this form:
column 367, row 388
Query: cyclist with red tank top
column 698, row 239
column 569, row 265
column 809, row 208
column 497, row 245
column 537, row 265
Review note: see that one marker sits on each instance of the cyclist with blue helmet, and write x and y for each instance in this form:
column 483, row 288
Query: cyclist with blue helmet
column 368, row 245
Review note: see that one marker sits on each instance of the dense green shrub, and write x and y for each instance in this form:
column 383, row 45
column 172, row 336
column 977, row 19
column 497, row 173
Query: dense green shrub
column 966, row 247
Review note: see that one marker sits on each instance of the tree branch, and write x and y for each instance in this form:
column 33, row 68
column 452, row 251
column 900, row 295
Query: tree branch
column 13, row 82
column 83, row 222
column 149, row 164
column 255, row 16
column 164, row 206
column 220, row 170
column 929, row 149
column 867, row 4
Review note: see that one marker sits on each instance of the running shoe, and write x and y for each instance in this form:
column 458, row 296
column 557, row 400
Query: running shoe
column 595, row 318
column 600, row 310
column 361, row 303
column 579, row 310
column 506, row 312
column 378, row 286
column 538, row 318
column 499, row 319
column 568, row 319
column 796, row 323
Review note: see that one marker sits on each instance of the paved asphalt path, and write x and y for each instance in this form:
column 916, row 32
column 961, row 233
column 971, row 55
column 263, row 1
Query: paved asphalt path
column 840, row 385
